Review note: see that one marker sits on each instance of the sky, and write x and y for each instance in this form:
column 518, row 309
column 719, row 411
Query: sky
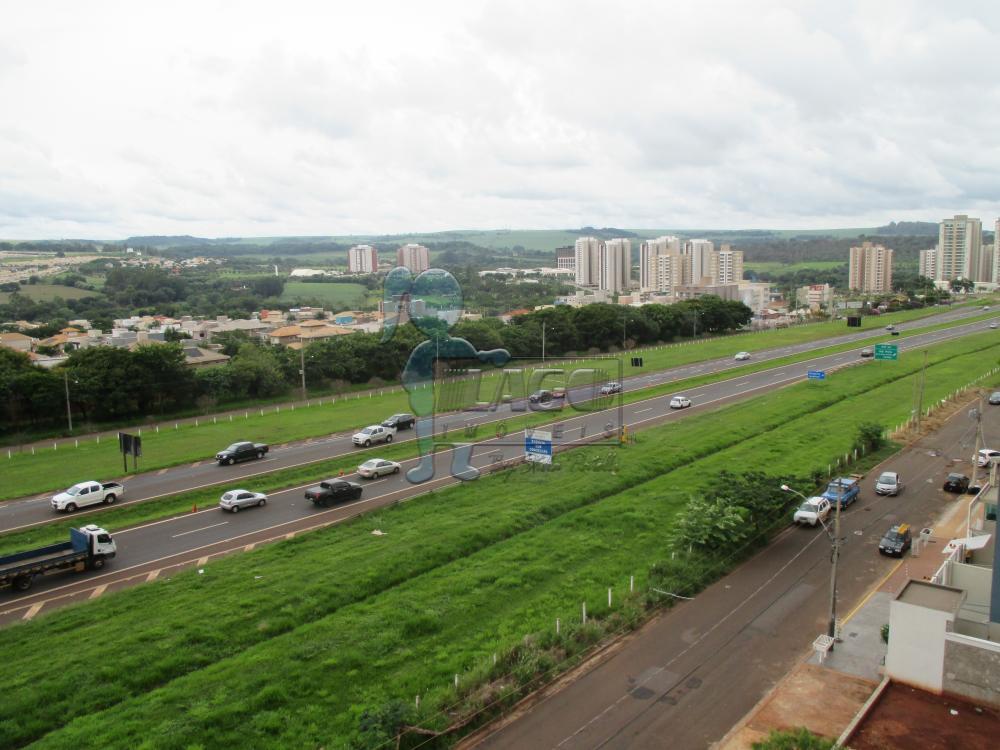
column 296, row 118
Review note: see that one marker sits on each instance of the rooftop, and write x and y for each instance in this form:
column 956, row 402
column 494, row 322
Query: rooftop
column 932, row 596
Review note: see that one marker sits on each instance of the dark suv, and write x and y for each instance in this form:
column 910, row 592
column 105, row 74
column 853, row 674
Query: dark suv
column 333, row 491
column 400, row 421
column 240, row 452
column 896, row 540
column 956, row 483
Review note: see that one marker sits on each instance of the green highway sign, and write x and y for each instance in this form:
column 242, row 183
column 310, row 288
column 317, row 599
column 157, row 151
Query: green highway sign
column 886, row 351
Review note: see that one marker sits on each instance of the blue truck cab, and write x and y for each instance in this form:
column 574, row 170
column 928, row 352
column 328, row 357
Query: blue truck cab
column 846, row 488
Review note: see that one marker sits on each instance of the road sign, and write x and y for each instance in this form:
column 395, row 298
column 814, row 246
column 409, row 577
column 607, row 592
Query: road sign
column 538, row 446
column 886, row 351
column 817, row 375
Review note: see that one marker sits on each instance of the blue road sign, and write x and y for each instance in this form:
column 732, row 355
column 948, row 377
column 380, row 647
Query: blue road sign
column 538, row 446
column 817, row 375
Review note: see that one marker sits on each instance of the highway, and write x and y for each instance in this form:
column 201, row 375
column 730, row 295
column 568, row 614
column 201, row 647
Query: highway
column 683, row 680
column 154, row 549
column 36, row 510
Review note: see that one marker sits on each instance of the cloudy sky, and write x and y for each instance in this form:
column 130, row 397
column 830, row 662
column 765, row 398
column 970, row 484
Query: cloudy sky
column 280, row 118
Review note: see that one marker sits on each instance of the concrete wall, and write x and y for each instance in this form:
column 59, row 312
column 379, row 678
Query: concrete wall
column 916, row 645
column 976, row 582
column 972, row 668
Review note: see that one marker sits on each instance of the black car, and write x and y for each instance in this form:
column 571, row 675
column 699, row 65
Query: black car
column 995, row 398
column 895, row 333
column 546, row 397
column 333, row 491
column 956, row 483
column 400, row 421
column 240, row 452
column 896, row 540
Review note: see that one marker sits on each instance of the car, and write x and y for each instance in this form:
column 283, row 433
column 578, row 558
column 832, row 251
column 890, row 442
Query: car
column 400, row 421
column 995, row 398
column 812, row 511
column 377, row 467
column 986, row 307
column 546, row 397
column 609, row 388
column 680, row 402
column 332, row 491
column 82, row 494
column 890, row 327
column 242, row 451
column 993, row 326
column 888, row 483
column 373, row 433
column 896, row 540
column 987, row 456
column 955, row 482
column 867, row 352
column 895, row 333
column 235, row 500
column 740, row 356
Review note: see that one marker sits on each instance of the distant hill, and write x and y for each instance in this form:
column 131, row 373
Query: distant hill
column 907, row 228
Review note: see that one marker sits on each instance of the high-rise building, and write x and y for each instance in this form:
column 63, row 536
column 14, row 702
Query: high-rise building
column 995, row 278
column 669, row 273
column 587, row 252
column 362, row 259
column 415, row 257
column 870, row 269
column 726, row 265
column 699, row 262
column 566, row 258
column 615, row 260
column 649, row 251
column 929, row 263
column 960, row 245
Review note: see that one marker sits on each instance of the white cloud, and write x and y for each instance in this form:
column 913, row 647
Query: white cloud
column 229, row 118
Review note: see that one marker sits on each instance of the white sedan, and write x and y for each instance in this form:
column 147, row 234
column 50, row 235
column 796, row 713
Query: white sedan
column 680, row 402
column 377, row 467
column 740, row 356
column 234, row 500
column 987, row 456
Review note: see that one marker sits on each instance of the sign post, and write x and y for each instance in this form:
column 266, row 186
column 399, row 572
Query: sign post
column 538, row 446
column 886, row 351
column 817, row 375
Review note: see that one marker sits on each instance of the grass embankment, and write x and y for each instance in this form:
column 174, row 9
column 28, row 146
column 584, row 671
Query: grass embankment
column 26, row 473
column 287, row 645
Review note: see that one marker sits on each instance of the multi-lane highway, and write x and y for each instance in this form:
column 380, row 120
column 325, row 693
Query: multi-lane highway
column 26, row 512
column 148, row 550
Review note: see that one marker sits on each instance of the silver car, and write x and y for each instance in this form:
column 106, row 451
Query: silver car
column 377, row 467
column 236, row 499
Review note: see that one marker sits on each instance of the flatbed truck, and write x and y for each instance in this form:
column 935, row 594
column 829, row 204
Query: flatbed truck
column 88, row 548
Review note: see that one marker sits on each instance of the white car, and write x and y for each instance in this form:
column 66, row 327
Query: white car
column 234, row 500
column 83, row 494
column 993, row 325
column 987, row 456
column 740, row 356
column 812, row 511
column 377, row 467
column 890, row 327
column 888, row 483
column 680, row 402
column 375, row 433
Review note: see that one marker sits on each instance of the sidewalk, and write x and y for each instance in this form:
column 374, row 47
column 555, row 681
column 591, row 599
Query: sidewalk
column 825, row 694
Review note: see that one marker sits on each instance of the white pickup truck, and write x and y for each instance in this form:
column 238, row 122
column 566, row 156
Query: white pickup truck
column 83, row 494
column 375, row 433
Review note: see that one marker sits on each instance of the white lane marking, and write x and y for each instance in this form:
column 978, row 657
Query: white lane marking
column 98, row 591
column 153, row 575
column 642, row 411
column 35, row 608
column 194, row 531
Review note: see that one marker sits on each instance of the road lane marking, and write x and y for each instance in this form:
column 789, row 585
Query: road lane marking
column 161, row 472
column 195, row 531
column 643, row 411
column 98, row 591
column 202, row 561
column 33, row 610
column 249, row 547
column 153, row 575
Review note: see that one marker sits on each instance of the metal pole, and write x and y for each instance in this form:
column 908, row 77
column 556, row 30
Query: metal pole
column 543, row 341
column 302, row 367
column 975, row 464
column 920, row 394
column 69, row 412
column 832, row 629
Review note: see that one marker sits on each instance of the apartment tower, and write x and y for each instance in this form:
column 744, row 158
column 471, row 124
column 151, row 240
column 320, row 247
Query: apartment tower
column 415, row 257
column 362, row 259
column 870, row 269
column 587, row 251
column 616, row 265
column 960, row 247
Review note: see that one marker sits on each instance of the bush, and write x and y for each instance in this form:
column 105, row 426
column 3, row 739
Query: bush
column 869, row 436
column 795, row 739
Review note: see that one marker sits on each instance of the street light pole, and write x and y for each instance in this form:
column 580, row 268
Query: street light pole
column 832, row 628
column 69, row 411
column 543, row 342
column 302, row 367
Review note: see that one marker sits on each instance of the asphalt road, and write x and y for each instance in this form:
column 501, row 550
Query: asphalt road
column 153, row 548
column 688, row 676
column 36, row 510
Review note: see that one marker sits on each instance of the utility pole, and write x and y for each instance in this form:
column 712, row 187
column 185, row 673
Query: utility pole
column 543, row 342
column 69, row 411
column 977, row 414
column 624, row 323
column 695, row 324
column 302, row 368
column 920, row 393
column 832, row 629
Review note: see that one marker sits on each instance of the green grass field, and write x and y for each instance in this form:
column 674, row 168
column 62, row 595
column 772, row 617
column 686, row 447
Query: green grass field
column 25, row 473
column 336, row 297
column 288, row 645
column 776, row 267
column 49, row 292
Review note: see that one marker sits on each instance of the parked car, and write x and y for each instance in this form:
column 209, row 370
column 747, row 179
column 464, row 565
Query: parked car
column 680, row 402
column 995, row 398
column 242, row 451
column 332, row 491
column 374, row 433
column 400, row 421
column 812, row 511
column 987, row 456
column 610, row 388
column 848, row 489
column 888, row 483
column 867, row 352
column 377, row 467
column 83, row 494
column 740, row 356
column 955, row 482
column 896, row 540
column 236, row 500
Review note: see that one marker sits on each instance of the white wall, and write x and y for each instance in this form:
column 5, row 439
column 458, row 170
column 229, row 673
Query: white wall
column 916, row 645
